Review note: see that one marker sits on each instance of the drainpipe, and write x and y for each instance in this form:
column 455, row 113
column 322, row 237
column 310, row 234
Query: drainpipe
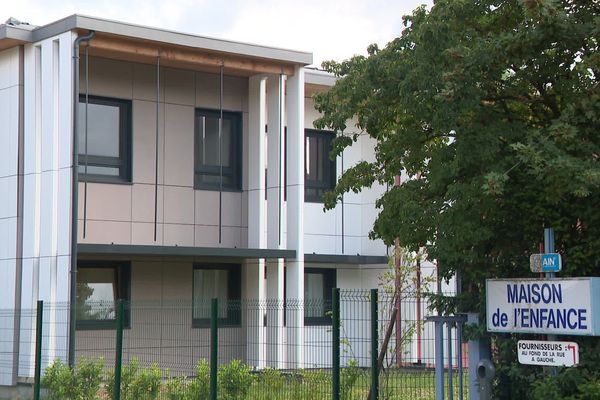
column 75, row 195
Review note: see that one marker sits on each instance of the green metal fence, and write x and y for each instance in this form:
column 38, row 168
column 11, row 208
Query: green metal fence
column 358, row 345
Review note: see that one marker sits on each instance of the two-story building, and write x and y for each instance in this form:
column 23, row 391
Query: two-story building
column 150, row 165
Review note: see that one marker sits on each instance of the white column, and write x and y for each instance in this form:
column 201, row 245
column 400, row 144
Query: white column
column 275, row 161
column 275, row 217
column 256, row 161
column 254, row 275
column 295, row 216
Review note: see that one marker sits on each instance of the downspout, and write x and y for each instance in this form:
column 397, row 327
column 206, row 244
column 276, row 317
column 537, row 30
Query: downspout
column 74, row 199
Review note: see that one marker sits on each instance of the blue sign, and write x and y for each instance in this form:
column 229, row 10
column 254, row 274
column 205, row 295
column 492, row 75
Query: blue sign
column 551, row 262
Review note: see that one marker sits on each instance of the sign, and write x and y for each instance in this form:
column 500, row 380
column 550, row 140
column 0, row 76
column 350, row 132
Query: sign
column 552, row 306
column 549, row 354
column 550, row 262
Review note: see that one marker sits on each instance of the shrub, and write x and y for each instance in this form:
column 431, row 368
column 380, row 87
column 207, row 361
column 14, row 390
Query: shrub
column 80, row 383
column 196, row 388
column 348, row 377
column 136, row 383
column 234, row 380
column 199, row 388
column 272, row 382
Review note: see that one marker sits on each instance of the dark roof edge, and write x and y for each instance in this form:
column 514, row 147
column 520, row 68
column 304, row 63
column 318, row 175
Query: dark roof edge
column 170, row 37
column 344, row 259
column 177, row 251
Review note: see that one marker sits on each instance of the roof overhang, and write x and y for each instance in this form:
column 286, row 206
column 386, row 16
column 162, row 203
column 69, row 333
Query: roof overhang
column 130, row 42
column 11, row 36
column 317, row 81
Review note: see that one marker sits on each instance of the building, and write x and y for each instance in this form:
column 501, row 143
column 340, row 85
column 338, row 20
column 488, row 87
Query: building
column 156, row 200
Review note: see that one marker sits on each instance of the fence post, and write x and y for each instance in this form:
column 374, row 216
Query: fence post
column 374, row 346
column 335, row 337
column 119, row 348
column 214, row 343
column 439, row 359
column 38, row 349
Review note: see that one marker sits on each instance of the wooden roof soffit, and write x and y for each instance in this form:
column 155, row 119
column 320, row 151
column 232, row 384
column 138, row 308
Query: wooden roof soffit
column 146, row 52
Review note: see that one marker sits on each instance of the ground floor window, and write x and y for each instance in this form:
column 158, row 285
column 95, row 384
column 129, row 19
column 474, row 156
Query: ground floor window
column 99, row 285
column 318, row 285
column 220, row 281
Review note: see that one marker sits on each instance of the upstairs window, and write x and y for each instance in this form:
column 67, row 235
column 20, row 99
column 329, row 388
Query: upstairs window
column 207, row 163
column 108, row 139
column 319, row 171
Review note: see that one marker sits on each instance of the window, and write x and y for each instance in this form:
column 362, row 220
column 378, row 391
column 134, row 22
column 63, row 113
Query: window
column 318, row 284
column 108, row 139
column 221, row 281
column 206, row 150
column 99, row 285
column 319, row 171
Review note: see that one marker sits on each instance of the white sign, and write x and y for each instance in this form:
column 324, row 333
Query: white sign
column 551, row 306
column 551, row 354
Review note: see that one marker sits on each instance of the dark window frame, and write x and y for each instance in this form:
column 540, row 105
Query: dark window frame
column 329, row 282
column 235, row 153
column 122, row 276
column 234, row 285
column 329, row 181
column 124, row 161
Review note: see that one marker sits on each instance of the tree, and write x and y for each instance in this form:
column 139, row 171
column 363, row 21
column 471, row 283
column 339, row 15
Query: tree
column 496, row 105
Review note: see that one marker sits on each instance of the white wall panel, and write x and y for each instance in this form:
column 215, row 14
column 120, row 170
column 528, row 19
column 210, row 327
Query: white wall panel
column 48, row 103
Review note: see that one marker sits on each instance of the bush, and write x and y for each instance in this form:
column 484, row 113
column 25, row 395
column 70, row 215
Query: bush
column 136, row 383
column 80, row 383
column 348, row 377
column 272, row 382
column 234, row 380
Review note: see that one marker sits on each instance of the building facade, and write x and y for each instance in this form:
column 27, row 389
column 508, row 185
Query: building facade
column 150, row 165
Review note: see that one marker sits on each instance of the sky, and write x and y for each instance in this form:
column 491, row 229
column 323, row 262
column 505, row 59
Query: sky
column 330, row 29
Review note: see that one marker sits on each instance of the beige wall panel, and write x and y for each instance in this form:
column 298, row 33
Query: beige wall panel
column 178, row 235
column 146, row 281
column 142, row 203
column 108, row 78
column 206, row 236
column 144, row 83
column 179, row 205
column 231, row 237
column 177, row 283
column 142, row 233
column 144, row 142
column 179, row 145
column 235, row 92
column 105, row 232
column 179, row 86
column 207, row 207
column 106, row 202
column 232, row 209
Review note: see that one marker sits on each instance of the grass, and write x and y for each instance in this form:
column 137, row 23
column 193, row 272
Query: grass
column 316, row 385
